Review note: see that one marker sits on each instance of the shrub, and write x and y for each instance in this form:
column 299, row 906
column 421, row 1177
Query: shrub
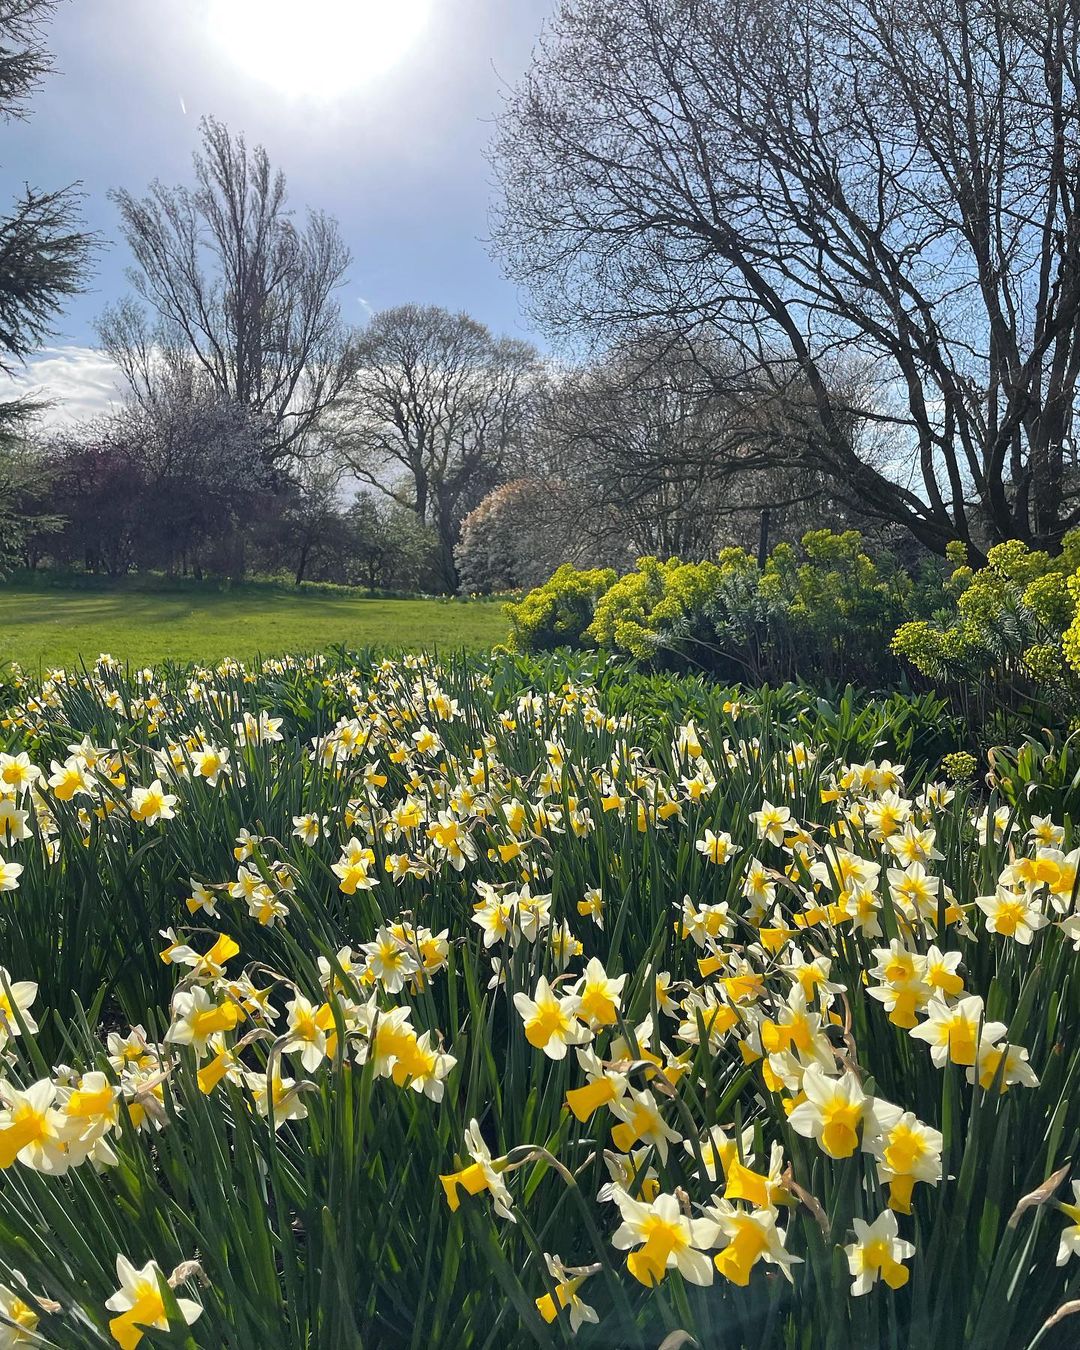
column 836, row 608
column 1002, row 645
column 824, row 610
column 660, row 611
column 558, row 613
column 959, row 767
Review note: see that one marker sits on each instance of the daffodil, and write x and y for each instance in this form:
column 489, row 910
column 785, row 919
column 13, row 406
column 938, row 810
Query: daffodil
column 32, row 1129
column 565, row 1297
column 663, row 1238
column 771, row 822
column 261, row 730
column 18, row 774
column 532, row 912
column 451, row 838
column 832, row 1112
column 592, row 906
column 901, row 987
column 1069, row 1242
column 878, row 1253
column 940, row 972
column 760, row 1190
column 223, row 1065
column 993, row 826
column 13, row 827
column 71, row 778
column 201, row 899
column 605, row 1086
column 1012, row 914
column 705, row 924
column 551, row 1023
column 355, row 868
column 797, row 1027
column 210, row 762
column 153, row 803
column 564, row 945
column 140, row 1304
column 599, row 994
column 19, row 1317
column 282, row 1095
column 1006, row 1064
column 716, row 1151
column 308, row 1030
column 484, row 1173
column 16, row 999
column 751, row 1236
column 907, row 1152
column 196, row 1017
column 422, row 1066
column 688, row 741
column 640, row 1119
column 717, row 848
column 309, row 828
column 954, row 1031
column 390, row 961
column 1043, row 830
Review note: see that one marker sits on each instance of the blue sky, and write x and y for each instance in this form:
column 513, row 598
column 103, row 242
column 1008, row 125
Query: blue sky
column 397, row 156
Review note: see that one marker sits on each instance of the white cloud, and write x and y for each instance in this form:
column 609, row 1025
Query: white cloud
column 79, row 382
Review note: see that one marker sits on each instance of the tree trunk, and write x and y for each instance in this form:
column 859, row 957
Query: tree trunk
column 301, row 565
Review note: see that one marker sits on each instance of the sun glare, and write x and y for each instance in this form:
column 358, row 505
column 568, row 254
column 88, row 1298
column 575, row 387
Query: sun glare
column 319, row 48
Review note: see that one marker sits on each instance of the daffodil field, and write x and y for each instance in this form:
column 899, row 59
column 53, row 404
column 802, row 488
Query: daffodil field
column 354, row 1001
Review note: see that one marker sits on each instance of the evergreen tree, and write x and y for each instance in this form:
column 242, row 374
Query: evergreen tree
column 43, row 250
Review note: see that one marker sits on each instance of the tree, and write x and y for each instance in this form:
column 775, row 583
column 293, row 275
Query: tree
column 391, row 549
column 27, row 520
column 175, row 484
column 886, row 182
column 660, row 450
column 519, row 534
column 309, row 530
column 43, row 252
column 237, row 291
column 438, row 409
column 97, row 488
column 653, row 449
column 204, row 482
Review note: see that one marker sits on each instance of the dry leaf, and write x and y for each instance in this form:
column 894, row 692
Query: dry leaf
column 1040, row 1194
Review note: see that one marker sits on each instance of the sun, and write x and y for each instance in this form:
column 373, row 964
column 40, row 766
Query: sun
column 317, row 48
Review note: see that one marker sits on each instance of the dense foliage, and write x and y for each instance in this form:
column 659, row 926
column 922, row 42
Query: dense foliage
column 1002, row 641
column 1005, row 642
column 823, row 610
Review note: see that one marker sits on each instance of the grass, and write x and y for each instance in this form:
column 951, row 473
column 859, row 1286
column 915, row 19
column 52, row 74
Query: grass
column 147, row 623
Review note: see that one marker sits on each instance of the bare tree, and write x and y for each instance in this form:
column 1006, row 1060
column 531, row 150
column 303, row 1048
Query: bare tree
column 665, row 452
column 236, row 289
column 816, row 181
column 438, row 407
column 43, row 252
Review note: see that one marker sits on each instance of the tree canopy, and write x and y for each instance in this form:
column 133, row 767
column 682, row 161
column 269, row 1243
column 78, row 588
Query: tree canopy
column 230, row 284
column 819, row 184
column 44, row 251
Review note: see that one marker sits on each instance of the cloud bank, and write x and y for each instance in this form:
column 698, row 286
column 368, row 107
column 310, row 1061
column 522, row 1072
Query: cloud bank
column 77, row 382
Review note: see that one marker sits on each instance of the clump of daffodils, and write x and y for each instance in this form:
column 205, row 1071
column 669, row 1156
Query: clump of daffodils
column 462, row 875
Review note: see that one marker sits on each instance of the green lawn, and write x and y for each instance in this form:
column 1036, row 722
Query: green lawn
column 42, row 626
